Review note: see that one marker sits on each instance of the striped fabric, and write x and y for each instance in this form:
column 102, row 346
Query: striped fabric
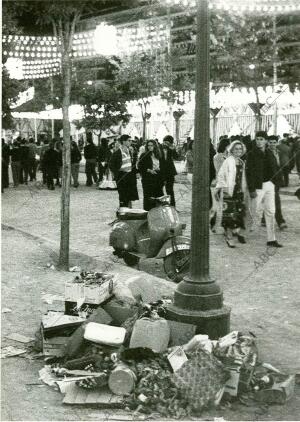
column 126, row 162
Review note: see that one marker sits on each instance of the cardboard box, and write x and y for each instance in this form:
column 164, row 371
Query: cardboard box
column 71, row 308
column 54, row 346
column 57, row 324
column 94, row 294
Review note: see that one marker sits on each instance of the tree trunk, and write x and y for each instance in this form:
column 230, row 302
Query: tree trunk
column 66, row 171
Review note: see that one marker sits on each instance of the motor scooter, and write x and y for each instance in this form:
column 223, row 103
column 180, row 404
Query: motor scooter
column 158, row 233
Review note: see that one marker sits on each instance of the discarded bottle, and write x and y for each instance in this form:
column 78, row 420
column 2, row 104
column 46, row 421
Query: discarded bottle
column 122, row 380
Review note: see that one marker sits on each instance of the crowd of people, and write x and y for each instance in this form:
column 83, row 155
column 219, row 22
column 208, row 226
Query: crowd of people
column 249, row 174
column 244, row 173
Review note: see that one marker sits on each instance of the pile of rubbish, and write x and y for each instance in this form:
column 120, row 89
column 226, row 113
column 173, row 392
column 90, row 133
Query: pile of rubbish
column 112, row 349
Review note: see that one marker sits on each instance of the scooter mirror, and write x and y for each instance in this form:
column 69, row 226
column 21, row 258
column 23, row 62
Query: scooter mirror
column 163, row 200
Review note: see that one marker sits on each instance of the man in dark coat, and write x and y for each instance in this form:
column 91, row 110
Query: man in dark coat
column 261, row 171
column 90, row 155
column 168, row 170
column 5, row 164
column 50, row 163
column 278, row 181
column 123, row 166
column 32, row 151
column 285, row 157
column 24, row 153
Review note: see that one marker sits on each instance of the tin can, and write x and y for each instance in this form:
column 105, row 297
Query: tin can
column 122, row 380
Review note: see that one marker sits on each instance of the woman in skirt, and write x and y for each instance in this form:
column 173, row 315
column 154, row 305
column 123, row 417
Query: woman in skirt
column 230, row 189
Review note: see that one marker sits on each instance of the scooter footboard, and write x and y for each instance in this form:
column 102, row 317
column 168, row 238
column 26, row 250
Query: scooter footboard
column 178, row 243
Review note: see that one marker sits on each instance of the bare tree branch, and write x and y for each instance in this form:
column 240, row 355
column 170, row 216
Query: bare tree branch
column 72, row 29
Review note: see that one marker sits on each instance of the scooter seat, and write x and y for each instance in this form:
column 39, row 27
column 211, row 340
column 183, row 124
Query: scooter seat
column 131, row 214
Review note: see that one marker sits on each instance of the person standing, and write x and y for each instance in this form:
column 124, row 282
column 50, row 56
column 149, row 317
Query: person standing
column 278, row 181
column 221, row 154
column 168, row 170
column 103, row 157
column 231, row 187
column 260, row 170
column 149, row 168
column 43, row 150
column 51, row 163
column 32, row 151
column 5, row 164
column 123, row 166
column 296, row 154
column 16, row 163
column 59, row 150
column 90, row 155
column 285, row 157
column 75, row 163
column 189, row 160
column 24, row 158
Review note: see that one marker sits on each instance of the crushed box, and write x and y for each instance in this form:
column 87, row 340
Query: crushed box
column 90, row 293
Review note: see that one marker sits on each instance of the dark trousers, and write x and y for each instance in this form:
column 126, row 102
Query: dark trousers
column 286, row 172
column 44, row 172
column 16, row 170
column 4, row 175
column 32, row 169
column 90, row 170
column 51, row 174
column 152, row 188
column 101, row 171
column 58, row 175
column 169, row 185
column 24, row 172
column 278, row 213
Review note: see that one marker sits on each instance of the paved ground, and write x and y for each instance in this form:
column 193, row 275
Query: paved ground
column 263, row 300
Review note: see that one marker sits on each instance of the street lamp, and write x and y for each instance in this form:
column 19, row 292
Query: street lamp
column 198, row 299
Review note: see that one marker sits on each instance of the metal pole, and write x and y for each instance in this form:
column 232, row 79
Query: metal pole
column 198, row 299
column 275, row 74
column 52, row 120
column 200, row 196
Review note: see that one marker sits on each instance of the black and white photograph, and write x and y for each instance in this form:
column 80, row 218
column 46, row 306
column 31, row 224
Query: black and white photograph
column 150, row 210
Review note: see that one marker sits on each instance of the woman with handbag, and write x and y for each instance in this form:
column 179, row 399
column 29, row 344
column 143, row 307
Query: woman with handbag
column 231, row 187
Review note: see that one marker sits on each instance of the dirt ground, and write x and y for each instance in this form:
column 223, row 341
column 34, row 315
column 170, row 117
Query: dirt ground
column 264, row 300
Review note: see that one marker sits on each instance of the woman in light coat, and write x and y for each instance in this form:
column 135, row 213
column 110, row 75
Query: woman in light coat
column 231, row 188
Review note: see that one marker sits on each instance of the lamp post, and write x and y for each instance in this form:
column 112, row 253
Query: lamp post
column 198, row 299
column 275, row 74
column 177, row 114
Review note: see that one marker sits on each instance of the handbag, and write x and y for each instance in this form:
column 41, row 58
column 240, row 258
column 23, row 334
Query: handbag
column 232, row 207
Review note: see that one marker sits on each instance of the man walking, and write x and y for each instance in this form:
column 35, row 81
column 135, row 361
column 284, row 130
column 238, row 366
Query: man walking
column 278, row 181
column 261, row 169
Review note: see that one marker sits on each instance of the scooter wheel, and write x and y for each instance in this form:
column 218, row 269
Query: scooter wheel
column 130, row 260
column 176, row 265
